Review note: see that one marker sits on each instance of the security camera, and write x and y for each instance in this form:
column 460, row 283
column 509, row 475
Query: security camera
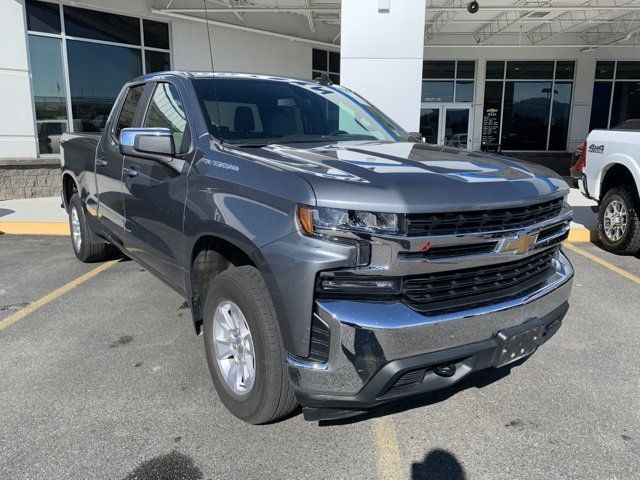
column 473, row 7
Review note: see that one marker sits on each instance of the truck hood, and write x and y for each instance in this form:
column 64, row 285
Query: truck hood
column 403, row 177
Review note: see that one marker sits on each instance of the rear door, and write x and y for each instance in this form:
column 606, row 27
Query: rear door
column 109, row 162
column 155, row 190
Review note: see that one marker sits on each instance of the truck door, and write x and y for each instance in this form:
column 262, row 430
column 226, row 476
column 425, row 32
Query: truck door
column 108, row 167
column 155, row 190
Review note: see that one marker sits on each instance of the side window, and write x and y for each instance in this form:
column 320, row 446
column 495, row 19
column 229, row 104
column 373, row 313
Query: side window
column 128, row 112
column 166, row 111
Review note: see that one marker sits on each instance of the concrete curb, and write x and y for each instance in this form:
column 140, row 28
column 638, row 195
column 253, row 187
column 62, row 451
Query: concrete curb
column 576, row 235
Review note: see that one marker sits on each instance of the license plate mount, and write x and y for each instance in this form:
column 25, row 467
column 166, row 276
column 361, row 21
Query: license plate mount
column 516, row 347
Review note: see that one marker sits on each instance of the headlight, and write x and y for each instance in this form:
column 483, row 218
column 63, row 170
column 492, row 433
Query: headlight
column 323, row 218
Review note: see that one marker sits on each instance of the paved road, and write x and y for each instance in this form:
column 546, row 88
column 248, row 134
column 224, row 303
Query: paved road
column 109, row 381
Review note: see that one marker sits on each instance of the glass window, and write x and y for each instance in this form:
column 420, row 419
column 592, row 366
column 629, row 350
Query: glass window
column 94, row 88
column 49, row 92
column 334, row 62
column 626, row 101
column 166, row 111
column 628, row 71
column 495, row 70
column 564, row 70
column 604, row 70
column 334, row 78
column 80, row 22
column 437, row 91
column 526, row 115
column 290, row 113
column 560, row 116
column 128, row 112
column 600, row 105
column 464, row 91
column 156, row 34
column 530, row 70
column 429, row 121
column 438, row 69
column 43, row 17
column 466, row 69
column 320, row 60
column 156, row 61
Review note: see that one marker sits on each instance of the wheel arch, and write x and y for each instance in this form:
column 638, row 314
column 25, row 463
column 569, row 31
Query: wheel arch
column 618, row 173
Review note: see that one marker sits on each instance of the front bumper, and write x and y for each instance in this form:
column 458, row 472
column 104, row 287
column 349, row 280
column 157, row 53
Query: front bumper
column 373, row 344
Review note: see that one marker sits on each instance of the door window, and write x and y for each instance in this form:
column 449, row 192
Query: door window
column 166, row 111
column 128, row 112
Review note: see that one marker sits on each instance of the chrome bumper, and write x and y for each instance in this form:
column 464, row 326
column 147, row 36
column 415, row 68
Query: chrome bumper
column 366, row 336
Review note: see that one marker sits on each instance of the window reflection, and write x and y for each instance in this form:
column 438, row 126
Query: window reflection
column 437, row 91
column 626, row 102
column 94, row 88
column 49, row 92
column 429, row 119
column 560, row 116
column 526, row 115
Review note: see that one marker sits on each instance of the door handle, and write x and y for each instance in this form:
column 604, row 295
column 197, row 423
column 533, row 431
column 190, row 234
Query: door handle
column 130, row 172
column 101, row 162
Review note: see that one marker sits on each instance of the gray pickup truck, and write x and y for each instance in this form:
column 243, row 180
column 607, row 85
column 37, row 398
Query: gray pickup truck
column 329, row 259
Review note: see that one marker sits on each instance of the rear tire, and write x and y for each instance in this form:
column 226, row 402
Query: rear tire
column 244, row 295
column 618, row 222
column 86, row 244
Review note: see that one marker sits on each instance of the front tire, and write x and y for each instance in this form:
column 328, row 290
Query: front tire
column 244, row 347
column 86, row 245
column 618, row 222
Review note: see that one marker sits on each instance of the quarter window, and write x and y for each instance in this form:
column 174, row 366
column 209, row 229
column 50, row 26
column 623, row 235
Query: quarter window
column 166, row 111
column 128, row 112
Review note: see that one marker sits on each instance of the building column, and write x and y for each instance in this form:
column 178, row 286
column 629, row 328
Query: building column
column 381, row 55
column 17, row 126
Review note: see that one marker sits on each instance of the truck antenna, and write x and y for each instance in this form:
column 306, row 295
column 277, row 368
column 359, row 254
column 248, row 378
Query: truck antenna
column 213, row 72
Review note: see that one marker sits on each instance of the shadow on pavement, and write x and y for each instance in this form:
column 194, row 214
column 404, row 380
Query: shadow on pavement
column 479, row 379
column 438, row 464
column 5, row 211
column 585, row 216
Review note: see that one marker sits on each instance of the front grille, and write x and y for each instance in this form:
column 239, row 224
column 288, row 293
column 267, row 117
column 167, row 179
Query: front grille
column 481, row 221
column 463, row 289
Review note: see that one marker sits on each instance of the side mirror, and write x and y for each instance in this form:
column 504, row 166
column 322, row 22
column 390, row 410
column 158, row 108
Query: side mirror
column 154, row 143
column 416, row 137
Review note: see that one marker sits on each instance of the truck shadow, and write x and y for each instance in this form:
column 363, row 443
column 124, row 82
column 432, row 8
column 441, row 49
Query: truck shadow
column 438, row 464
column 479, row 379
column 5, row 211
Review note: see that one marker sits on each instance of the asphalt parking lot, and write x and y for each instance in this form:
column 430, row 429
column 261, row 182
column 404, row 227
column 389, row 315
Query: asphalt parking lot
column 107, row 379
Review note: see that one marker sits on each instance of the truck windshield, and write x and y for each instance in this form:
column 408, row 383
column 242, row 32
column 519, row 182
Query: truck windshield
column 255, row 112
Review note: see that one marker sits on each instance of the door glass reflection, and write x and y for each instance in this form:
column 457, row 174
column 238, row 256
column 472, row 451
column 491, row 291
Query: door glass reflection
column 456, row 127
column 429, row 119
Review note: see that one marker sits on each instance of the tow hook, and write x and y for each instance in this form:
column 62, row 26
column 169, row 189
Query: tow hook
column 448, row 370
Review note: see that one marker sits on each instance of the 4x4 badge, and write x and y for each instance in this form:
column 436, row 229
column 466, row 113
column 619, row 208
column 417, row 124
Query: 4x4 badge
column 520, row 243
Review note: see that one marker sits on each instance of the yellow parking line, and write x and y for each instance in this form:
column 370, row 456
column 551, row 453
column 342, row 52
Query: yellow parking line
column 602, row 262
column 35, row 228
column 389, row 460
column 20, row 314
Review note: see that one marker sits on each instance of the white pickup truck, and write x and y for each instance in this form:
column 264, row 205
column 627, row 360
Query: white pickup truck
column 611, row 176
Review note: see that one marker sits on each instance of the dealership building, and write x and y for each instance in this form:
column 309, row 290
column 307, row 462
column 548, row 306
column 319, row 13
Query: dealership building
column 528, row 78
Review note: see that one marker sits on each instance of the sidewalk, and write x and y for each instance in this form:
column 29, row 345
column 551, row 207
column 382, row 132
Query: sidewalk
column 43, row 216
column 33, row 216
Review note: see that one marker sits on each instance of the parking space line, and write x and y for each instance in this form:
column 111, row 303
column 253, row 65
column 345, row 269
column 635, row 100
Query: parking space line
column 20, row 314
column 389, row 460
column 602, row 262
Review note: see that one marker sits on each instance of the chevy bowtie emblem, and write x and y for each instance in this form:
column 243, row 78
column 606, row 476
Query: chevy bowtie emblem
column 520, row 243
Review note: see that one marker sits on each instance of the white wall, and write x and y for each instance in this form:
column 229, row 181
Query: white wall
column 17, row 128
column 381, row 55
